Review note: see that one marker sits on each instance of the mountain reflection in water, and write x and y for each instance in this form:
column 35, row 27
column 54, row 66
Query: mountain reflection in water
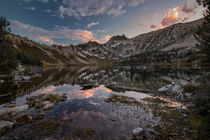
column 107, row 102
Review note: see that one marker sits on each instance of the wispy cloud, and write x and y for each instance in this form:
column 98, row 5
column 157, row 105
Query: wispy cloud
column 44, row 1
column 135, row 3
column 142, row 21
column 187, row 8
column 48, row 36
column 27, row 1
column 153, row 26
column 92, row 24
column 81, row 8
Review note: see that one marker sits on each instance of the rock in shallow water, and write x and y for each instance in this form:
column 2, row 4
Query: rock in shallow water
column 13, row 110
column 137, row 131
column 48, row 105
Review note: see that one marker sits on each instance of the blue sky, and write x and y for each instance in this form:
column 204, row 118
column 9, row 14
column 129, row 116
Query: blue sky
column 79, row 21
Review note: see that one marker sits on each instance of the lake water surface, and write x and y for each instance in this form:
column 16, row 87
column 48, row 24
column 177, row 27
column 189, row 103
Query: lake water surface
column 106, row 103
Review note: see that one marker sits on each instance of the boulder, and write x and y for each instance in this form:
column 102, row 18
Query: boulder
column 26, row 78
column 137, row 131
column 5, row 125
column 176, row 89
column 166, row 89
column 2, row 81
column 172, row 88
column 13, row 110
column 20, row 108
column 4, row 111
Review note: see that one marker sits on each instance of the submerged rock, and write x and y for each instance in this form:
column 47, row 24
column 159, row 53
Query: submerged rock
column 46, row 101
column 48, row 105
column 40, row 116
column 137, row 131
column 23, row 119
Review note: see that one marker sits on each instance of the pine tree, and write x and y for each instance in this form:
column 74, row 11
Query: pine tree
column 203, row 33
column 4, row 27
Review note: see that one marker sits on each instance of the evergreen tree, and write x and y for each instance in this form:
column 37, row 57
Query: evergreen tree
column 4, row 27
column 8, row 59
column 203, row 33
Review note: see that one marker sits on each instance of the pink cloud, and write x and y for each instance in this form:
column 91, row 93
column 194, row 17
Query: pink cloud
column 175, row 15
column 107, row 37
column 45, row 39
column 103, row 40
column 47, row 36
column 170, row 17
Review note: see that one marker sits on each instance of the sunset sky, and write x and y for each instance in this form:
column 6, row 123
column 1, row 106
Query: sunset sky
column 79, row 21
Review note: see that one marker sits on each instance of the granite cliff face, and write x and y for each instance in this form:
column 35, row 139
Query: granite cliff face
column 176, row 40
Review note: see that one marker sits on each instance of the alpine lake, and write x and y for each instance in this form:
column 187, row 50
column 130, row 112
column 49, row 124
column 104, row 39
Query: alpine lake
column 113, row 103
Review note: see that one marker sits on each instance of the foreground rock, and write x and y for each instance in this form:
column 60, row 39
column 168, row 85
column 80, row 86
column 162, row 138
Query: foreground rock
column 5, row 125
column 13, row 110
